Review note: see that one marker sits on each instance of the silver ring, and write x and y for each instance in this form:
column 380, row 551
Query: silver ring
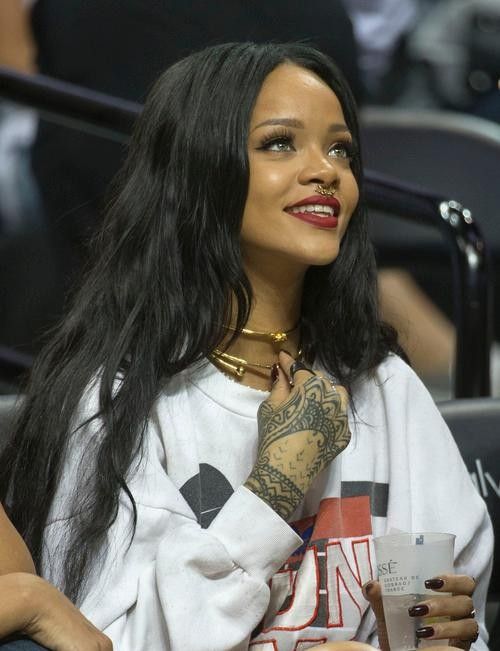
column 472, row 613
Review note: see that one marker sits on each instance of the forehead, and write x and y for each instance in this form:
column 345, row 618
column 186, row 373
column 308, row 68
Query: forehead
column 292, row 91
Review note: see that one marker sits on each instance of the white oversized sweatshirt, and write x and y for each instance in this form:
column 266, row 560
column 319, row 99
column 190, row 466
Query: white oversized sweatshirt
column 211, row 567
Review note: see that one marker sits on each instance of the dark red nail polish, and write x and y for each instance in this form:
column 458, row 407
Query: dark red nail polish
column 434, row 584
column 275, row 373
column 425, row 631
column 418, row 611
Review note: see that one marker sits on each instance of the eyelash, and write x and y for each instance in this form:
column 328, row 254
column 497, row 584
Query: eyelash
column 287, row 137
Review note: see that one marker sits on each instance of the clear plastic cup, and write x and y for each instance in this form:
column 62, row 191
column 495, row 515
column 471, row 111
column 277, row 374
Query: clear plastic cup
column 404, row 562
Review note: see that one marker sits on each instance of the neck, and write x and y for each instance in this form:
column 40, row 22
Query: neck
column 276, row 307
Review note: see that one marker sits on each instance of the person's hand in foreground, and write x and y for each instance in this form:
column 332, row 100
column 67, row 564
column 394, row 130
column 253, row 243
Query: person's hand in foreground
column 462, row 629
column 33, row 607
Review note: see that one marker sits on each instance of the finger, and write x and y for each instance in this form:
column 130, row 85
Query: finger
column 454, row 583
column 373, row 594
column 299, row 377
column 458, row 607
column 280, row 389
column 463, row 630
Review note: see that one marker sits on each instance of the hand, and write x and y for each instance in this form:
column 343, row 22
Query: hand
column 462, row 629
column 301, row 430
column 33, row 607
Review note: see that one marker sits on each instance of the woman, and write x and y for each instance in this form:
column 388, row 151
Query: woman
column 152, row 474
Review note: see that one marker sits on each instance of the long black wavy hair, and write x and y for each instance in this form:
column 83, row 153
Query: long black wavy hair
column 168, row 261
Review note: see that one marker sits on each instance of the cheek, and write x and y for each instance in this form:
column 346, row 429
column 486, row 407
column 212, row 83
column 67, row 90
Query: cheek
column 266, row 188
column 265, row 200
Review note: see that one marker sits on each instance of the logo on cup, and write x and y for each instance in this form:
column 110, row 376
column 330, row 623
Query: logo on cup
column 387, row 568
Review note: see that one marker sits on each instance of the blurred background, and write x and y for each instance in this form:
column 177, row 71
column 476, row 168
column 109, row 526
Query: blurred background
column 425, row 74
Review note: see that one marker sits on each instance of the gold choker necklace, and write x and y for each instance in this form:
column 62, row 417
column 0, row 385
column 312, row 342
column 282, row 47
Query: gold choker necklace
column 278, row 337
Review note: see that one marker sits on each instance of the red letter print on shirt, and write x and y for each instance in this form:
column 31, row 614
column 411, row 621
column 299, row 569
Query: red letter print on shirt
column 320, row 585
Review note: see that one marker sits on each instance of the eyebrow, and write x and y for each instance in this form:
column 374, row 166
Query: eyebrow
column 298, row 124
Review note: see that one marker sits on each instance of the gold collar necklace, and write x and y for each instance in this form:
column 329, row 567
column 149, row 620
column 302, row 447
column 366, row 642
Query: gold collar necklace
column 237, row 365
column 277, row 337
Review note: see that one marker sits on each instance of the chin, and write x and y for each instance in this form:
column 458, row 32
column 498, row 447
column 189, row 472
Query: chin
column 320, row 258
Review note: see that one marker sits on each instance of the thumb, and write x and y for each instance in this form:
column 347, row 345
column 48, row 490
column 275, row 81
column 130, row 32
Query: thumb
column 280, row 388
column 373, row 594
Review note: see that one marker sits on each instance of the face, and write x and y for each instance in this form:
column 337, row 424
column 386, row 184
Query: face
column 298, row 140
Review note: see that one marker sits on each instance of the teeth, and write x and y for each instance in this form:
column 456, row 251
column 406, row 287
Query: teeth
column 316, row 208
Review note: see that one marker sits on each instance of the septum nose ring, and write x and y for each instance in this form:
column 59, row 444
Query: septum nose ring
column 326, row 190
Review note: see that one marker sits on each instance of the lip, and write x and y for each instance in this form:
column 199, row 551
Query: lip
column 313, row 218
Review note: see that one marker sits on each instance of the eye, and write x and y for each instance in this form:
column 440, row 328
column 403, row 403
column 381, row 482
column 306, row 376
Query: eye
column 343, row 150
column 277, row 142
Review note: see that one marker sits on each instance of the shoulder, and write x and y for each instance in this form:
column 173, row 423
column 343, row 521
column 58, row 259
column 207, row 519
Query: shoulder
column 392, row 378
column 395, row 369
column 394, row 399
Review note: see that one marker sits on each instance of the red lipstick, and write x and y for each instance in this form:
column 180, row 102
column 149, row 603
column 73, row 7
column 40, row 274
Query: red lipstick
column 326, row 218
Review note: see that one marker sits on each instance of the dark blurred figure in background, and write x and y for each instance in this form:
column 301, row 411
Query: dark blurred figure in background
column 458, row 44
column 381, row 29
column 430, row 53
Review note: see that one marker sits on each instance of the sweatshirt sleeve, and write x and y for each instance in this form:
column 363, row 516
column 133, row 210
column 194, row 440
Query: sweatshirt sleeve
column 442, row 494
column 181, row 587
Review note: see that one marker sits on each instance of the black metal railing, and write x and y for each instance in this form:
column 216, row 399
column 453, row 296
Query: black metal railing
column 113, row 118
column 71, row 105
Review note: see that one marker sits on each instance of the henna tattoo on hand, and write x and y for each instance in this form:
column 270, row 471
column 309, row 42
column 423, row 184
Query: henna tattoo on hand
column 298, row 439
column 272, row 486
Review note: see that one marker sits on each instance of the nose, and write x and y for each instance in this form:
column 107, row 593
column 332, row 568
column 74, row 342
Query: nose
column 318, row 168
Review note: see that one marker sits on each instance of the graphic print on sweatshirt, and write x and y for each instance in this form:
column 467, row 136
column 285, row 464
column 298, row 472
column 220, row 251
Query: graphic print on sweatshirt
column 316, row 596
